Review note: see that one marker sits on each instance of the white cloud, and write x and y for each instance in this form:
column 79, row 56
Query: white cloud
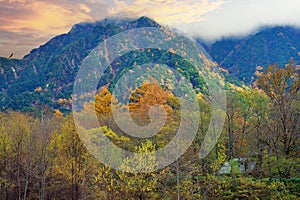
column 166, row 11
column 237, row 18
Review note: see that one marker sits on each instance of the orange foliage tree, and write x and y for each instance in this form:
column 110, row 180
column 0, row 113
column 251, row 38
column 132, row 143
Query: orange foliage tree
column 148, row 95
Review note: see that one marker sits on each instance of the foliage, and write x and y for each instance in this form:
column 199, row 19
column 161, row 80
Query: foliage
column 42, row 156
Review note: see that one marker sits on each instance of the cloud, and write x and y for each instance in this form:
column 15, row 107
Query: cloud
column 19, row 43
column 240, row 18
column 39, row 16
column 209, row 19
column 42, row 20
column 166, row 11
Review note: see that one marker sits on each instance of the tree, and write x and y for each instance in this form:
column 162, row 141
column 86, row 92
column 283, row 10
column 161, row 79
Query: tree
column 5, row 152
column 18, row 128
column 255, row 111
column 139, row 184
column 232, row 113
column 103, row 102
column 282, row 86
column 148, row 95
column 73, row 164
column 43, row 128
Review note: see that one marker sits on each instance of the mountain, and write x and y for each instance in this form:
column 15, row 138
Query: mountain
column 47, row 73
column 9, row 71
column 268, row 46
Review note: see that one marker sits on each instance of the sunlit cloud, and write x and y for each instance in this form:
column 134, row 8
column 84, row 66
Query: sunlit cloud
column 26, row 24
column 84, row 8
column 166, row 11
column 41, row 20
column 39, row 16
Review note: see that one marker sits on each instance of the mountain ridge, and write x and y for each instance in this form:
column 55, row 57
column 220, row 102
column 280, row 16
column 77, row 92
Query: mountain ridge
column 271, row 45
column 52, row 67
column 56, row 62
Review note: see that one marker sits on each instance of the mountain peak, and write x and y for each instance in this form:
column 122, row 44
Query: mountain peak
column 146, row 21
column 127, row 23
column 85, row 29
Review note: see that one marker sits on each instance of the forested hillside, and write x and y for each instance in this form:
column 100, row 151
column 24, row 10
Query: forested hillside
column 51, row 68
column 270, row 45
column 47, row 73
column 43, row 157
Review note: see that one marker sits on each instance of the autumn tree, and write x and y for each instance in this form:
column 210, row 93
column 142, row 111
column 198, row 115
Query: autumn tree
column 104, row 101
column 140, row 184
column 255, row 117
column 232, row 113
column 73, row 164
column 148, row 95
column 282, row 86
column 17, row 141
column 24, row 143
column 43, row 128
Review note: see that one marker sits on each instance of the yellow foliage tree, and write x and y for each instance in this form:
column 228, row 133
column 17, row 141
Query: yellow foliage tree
column 73, row 163
column 103, row 102
column 139, row 185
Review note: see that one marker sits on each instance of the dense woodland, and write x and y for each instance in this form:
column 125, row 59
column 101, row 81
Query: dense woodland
column 43, row 157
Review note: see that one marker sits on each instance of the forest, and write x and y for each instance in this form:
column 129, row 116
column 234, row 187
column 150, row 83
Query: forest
column 42, row 156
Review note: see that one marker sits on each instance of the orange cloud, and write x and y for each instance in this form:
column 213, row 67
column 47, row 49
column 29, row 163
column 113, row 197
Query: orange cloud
column 166, row 11
column 37, row 21
column 26, row 24
column 44, row 18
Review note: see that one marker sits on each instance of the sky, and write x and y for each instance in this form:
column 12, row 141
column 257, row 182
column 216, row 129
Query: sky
column 27, row 24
